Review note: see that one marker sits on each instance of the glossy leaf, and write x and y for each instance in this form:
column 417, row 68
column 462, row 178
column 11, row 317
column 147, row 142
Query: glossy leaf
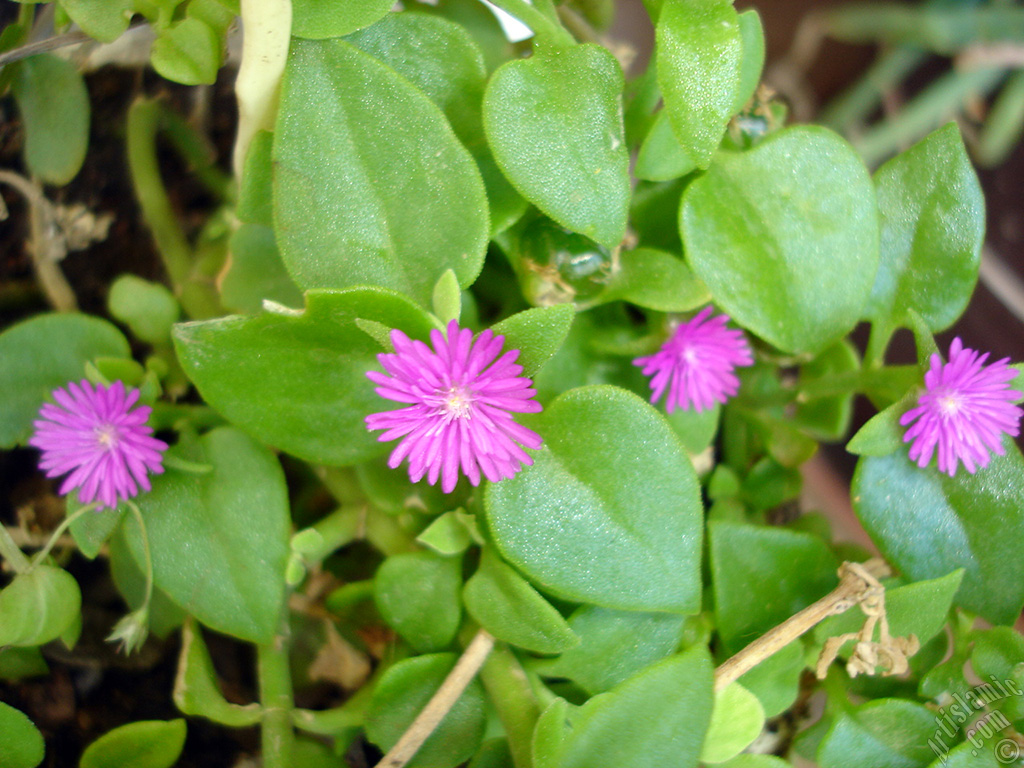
column 699, row 49
column 752, row 35
column 449, row 534
column 883, row 434
column 613, row 646
column 255, row 191
column 928, row 525
column 828, row 418
column 997, row 659
column 297, row 380
column 21, row 743
column 776, row 680
column 18, row 663
column 443, row 60
column 402, row 692
column 148, row 309
column 354, row 144
column 447, row 299
column 967, row 755
column 885, row 733
column 537, row 334
column 103, row 20
column 54, row 107
column 92, row 529
column 417, row 594
column 44, row 353
column 554, row 123
column 503, row 602
column 317, row 19
column 656, row 280
column 188, row 52
column 932, row 219
column 661, row 156
column 219, row 540
column 644, row 519
column 38, row 606
column 196, row 692
column 143, row 744
column 736, row 720
column 655, row 718
column 785, row 236
column 762, row 576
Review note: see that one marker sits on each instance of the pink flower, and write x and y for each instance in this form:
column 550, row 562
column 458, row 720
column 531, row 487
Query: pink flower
column 460, row 395
column 94, row 434
column 696, row 364
column 964, row 411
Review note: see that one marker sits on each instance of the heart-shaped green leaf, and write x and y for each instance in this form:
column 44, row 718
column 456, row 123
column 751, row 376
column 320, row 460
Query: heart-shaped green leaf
column 503, row 602
column 44, row 353
column 699, row 49
column 656, row 280
column 371, row 185
column 932, row 219
column 21, row 743
column 402, row 692
column 644, row 519
column 736, row 720
column 554, row 123
column 654, row 719
column 442, row 59
column 38, row 606
column 614, row 645
column 928, row 525
column 417, row 594
column 54, row 107
column 762, row 576
column 885, row 733
column 786, row 237
column 144, row 744
column 219, row 540
column 297, row 380
column 316, row 19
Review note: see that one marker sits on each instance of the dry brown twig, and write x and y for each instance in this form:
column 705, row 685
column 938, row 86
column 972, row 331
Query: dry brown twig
column 858, row 585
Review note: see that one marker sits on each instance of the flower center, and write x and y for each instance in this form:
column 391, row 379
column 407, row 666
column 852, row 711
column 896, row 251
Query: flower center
column 950, row 404
column 457, row 403
column 107, row 436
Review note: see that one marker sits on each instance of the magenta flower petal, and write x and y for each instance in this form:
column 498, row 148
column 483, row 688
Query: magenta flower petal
column 460, row 395
column 98, row 437
column 964, row 412
column 696, row 365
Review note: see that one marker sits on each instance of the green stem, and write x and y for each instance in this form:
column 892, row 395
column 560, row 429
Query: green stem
column 144, row 120
column 146, row 553
column 198, row 154
column 275, row 681
column 878, row 342
column 184, row 465
column 936, row 104
column 386, row 535
column 546, row 30
column 12, row 553
column 40, row 556
column 853, row 106
column 339, row 528
column 1002, row 129
column 510, row 692
column 143, row 123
